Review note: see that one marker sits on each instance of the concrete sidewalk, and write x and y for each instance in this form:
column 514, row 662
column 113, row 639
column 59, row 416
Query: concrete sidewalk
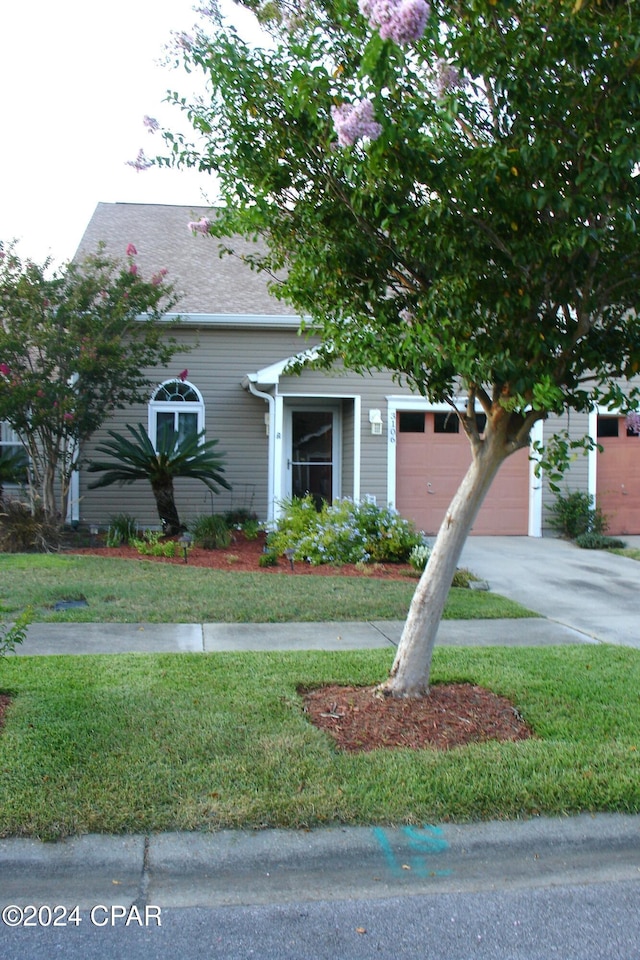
column 87, row 638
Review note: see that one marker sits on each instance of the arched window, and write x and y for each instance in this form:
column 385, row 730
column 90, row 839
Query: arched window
column 176, row 405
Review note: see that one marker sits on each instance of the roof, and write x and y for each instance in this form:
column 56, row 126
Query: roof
column 206, row 284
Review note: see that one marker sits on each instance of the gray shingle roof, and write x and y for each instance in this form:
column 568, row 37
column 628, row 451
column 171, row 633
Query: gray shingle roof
column 205, row 283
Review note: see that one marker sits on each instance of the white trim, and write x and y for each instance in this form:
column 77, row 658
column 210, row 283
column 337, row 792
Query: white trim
column 357, row 444
column 396, row 402
column 278, row 458
column 270, row 376
column 535, row 483
column 232, row 320
column 592, row 456
column 173, row 406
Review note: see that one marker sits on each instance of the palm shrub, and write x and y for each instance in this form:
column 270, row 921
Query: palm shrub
column 137, row 459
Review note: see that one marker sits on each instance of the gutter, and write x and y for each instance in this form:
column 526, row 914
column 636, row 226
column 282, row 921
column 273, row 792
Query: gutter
column 249, row 384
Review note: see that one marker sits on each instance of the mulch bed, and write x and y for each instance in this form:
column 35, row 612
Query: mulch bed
column 357, row 718
column 244, row 555
column 452, row 715
column 5, row 700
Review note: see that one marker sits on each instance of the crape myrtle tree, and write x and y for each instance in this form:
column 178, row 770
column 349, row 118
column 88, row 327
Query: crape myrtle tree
column 73, row 346
column 452, row 190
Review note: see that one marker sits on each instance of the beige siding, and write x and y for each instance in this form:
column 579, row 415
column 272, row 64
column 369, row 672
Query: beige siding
column 216, row 365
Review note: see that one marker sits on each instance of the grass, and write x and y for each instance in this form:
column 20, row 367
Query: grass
column 134, row 591
column 139, row 743
column 632, row 552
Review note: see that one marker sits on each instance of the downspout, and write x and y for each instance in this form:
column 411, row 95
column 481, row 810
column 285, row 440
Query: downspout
column 271, row 401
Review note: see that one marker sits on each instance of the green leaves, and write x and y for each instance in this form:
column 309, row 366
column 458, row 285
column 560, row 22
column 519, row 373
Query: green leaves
column 72, row 345
column 497, row 212
column 137, row 459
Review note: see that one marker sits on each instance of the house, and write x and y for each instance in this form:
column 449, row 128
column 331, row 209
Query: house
column 334, row 434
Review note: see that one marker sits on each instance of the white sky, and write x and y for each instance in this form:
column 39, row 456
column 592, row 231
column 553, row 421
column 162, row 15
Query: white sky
column 76, row 79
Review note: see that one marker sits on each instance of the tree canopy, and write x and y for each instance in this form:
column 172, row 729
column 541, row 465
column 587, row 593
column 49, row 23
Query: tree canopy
column 452, row 191
column 74, row 344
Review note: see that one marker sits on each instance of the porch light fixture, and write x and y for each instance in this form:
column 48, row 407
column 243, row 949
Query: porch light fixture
column 375, row 419
column 93, row 534
column 185, row 543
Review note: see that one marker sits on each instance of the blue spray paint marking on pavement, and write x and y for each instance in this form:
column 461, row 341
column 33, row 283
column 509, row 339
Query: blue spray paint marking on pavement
column 427, row 841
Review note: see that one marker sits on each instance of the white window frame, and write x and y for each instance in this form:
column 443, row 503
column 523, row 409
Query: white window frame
column 174, row 406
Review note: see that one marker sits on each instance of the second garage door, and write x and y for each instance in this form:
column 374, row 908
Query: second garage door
column 431, row 460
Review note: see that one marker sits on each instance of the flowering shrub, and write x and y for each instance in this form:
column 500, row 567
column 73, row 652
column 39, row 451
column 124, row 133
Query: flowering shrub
column 342, row 532
column 419, row 556
column 402, row 21
column 352, row 121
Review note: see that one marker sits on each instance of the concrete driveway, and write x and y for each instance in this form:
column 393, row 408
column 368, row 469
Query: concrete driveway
column 592, row 591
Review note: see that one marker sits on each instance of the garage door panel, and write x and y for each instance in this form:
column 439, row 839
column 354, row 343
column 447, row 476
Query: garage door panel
column 618, row 478
column 429, row 469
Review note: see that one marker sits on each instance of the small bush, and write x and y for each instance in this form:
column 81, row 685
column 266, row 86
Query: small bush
column 22, row 531
column 151, row 545
column 210, row 531
column 268, row 559
column 251, row 529
column 343, row 532
column 575, row 514
column 462, row 578
column 239, row 517
column 123, row 529
column 598, row 541
column 14, row 633
column 419, row 556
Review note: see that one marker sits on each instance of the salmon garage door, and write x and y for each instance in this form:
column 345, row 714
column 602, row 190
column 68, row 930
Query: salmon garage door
column 618, row 475
column 432, row 457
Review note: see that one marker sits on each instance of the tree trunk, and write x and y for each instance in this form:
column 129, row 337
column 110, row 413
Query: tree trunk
column 409, row 675
column 167, row 511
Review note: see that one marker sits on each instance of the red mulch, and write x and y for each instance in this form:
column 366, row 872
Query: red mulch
column 5, row 700
column 452, row 715
column 358, row 719
column 244, row 555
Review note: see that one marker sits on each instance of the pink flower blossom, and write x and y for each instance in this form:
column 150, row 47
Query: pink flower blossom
column 67, row 416
column 158, row 277
column 448, row 78
column 4, row 369
column 403, row 21
column 633, row 423
column 131, row 250
column 352, row 121
column 201, row 226
column 133, row 269
column 151, row 124
column 140, row 163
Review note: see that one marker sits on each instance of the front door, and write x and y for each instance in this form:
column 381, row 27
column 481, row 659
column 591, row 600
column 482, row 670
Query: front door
column 312, row 459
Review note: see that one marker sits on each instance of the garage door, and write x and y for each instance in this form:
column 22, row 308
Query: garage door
column 432, row 458
column 618, row 475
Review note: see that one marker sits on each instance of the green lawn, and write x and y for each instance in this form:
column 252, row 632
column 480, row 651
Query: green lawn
column 199, row 742
column 632, row 552
column 132, row 591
